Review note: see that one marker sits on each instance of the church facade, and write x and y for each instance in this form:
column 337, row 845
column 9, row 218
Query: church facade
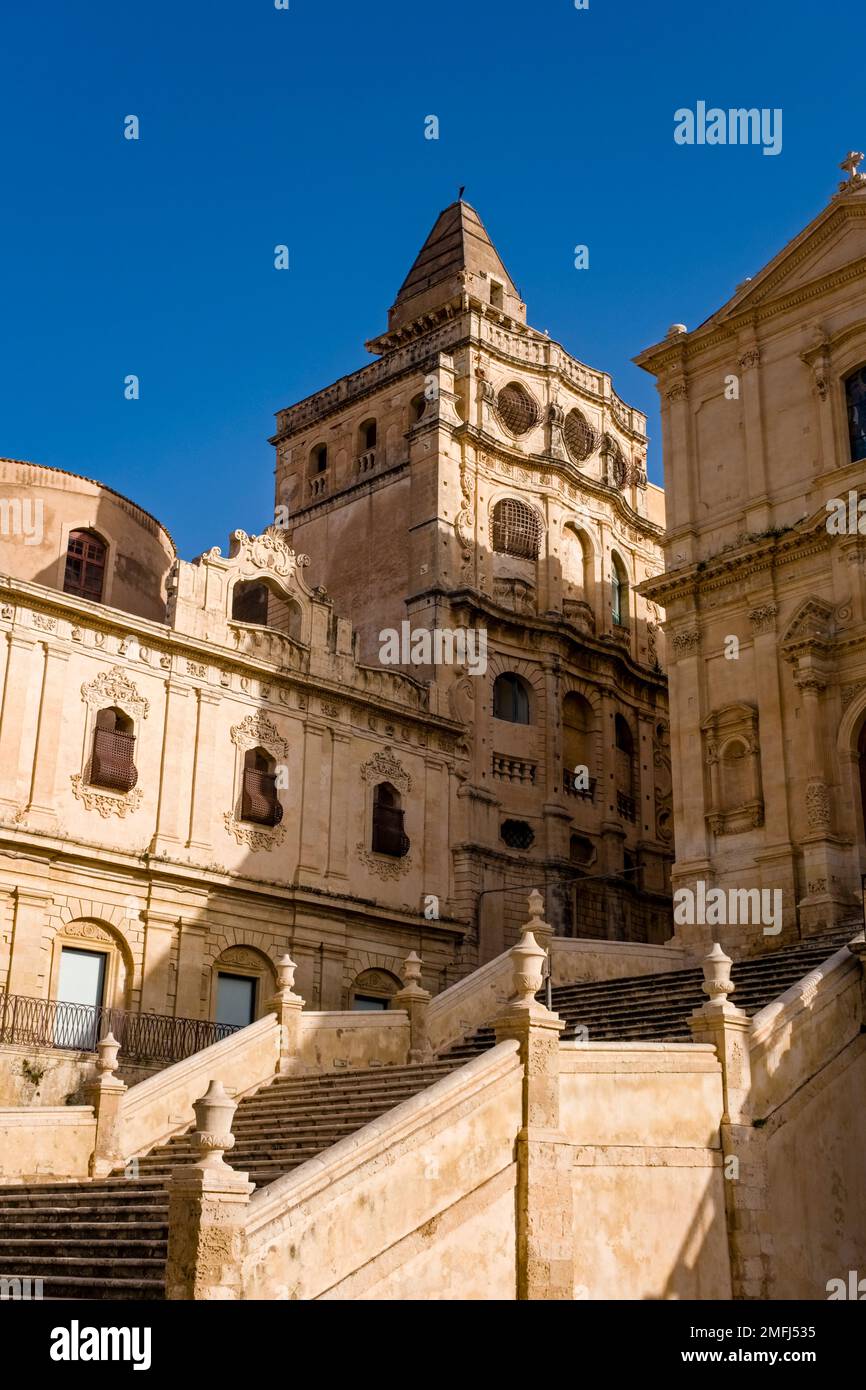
column 764, row 431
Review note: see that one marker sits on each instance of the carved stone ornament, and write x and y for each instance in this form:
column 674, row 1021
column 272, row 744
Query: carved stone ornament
column 678, row 392
column 115, row 688
column 818, row 805
column 257, row 730
column 269, row 551
column 687, row 642
column 88, row 931
column 254, row 836
column 763, row 618
column 384, row 866
column 384, row 767
column 107, row 803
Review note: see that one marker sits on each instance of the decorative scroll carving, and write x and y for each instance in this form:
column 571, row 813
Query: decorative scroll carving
column 687, row 642
column 115, row 688
column 107, row 803
column 269, row 551
column 384, row 767
column 254, row 836
column 383, row 865
column 258, row 730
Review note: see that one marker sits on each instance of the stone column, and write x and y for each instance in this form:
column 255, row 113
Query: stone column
column 744, row 1148
column 207, row 1210
column 757, row 503
column 545, row 1202
column 341, row 752
column 288, row 1007
column 106, row 1094
column 415, row 1000
column 775, row 859
column 29, row 961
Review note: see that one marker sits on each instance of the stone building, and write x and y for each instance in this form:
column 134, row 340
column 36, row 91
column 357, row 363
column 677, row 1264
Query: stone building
column 198, row 775
column 478, row 480
column 764, row 432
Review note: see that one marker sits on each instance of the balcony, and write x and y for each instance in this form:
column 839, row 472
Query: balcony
column 626, row 807
column 259, row 800
column 143, row 1037
column 365, row 463
column 319, row 485
column 570, row 787
column 514, row 769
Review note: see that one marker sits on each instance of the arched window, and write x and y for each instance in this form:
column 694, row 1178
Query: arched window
column 259, row 800
column 372, row 990
column 624, row 769
column 85, row 565
column 367, row 436
column 318, row 459
column 389, row 836
column 250, row 603
column 511, row 698
column 516, row 529
column 855, row 400
column 618, row 591
column 112, row 762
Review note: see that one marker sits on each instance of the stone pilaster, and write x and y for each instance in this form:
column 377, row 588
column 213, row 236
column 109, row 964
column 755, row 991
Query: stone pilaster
column 201, row 814
column 545, row 1202
column 42, row 806
column 744, row 1148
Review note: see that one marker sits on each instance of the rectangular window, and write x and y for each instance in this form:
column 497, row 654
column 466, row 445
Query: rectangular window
column 236, row 1000
column 80, row 987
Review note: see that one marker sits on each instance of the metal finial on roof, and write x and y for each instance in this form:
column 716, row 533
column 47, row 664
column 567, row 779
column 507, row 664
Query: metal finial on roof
column 463, row 190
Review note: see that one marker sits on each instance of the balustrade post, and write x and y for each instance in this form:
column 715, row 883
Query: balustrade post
column 106, row 1094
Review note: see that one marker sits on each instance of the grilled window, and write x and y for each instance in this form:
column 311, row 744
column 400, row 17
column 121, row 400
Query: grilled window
column 516, row 408
column 389, row 836
column 581, row 440
column 259, row 800
column 510, row 699
column 516, row 529
column 111, row 764
column 85, row 565
column 517, row 834
column 855, row 399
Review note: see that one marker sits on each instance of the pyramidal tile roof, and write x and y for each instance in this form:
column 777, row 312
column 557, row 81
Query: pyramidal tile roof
column 457, row 255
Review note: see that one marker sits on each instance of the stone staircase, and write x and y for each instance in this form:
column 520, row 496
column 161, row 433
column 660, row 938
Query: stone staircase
column 107, row 1239
column 656, row 1008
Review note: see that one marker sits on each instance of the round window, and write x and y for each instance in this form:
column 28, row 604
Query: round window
column 517, row 834
column 516, row 408
column 581, row 440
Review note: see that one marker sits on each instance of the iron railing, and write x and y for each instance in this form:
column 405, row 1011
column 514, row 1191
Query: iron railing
column 626, row 806
column 142, row 1037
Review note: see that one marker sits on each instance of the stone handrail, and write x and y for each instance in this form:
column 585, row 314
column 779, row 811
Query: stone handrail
column 798, row 1033
column 484, row 1093
column 154, row 1110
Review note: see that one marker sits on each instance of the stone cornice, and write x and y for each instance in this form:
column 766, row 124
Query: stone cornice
column 170, row 648
column 728, row 567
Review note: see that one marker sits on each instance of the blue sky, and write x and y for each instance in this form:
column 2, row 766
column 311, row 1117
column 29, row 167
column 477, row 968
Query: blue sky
column 306, row 127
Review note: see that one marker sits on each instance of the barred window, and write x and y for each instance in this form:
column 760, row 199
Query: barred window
column 581, row 439
column 516, row 408
column 516, row 529
column 517, row 834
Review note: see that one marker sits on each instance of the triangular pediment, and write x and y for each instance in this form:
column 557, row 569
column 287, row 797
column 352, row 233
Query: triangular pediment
column 833, row 241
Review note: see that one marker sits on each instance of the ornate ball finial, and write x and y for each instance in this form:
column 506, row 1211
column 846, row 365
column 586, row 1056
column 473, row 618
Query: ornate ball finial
column 675, row 329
